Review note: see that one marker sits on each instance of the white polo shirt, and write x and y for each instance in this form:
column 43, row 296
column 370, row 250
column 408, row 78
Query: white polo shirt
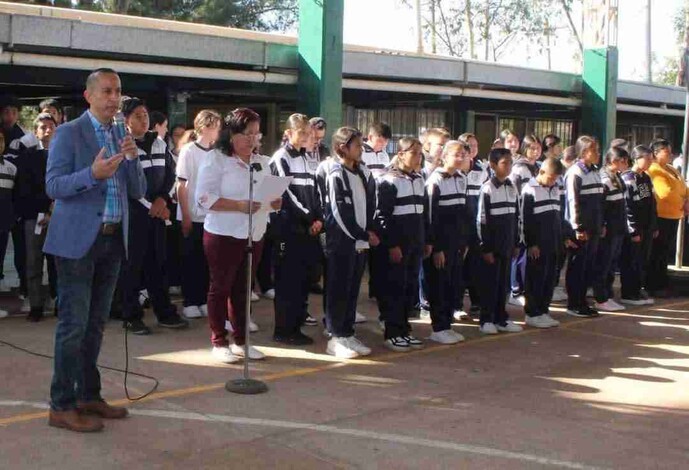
column 221, row 176
column 191, row 156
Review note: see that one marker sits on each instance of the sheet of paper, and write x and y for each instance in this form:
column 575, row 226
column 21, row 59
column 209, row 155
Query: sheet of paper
column 39, row 228
column 271, row 188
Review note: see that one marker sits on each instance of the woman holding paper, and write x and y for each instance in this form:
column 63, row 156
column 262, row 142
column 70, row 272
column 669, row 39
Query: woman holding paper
column 223, row 190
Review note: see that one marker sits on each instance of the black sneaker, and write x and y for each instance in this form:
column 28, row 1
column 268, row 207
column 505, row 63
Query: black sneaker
column 414, row 342
column 137, row 327
column 174, row 322
column 310, row 321
column 295, row 339
column 592, row 311
column 581, row 312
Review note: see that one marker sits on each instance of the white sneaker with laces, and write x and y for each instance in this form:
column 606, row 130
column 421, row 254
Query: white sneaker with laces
column 517, row 301
column 460, row 315
column 191, row 312
column 444, row 337
column 538, row 322
column 551, row 320
column 254, row 297
column 398, row 344
column 358, row 346
column 254, row 354
column 510, row 327
column 638, row 301
column 341, row 348
column 204, row 309
column 26, row 306
column 414, row 342
column 359, row 318
column 609, row 306
column 253, row 327
column 269, row 294
column 489, row 329
column 559, row 294
column 224, row 355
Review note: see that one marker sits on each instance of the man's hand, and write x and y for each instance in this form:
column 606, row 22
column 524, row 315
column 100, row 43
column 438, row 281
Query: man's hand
column 128, row 148
column 45, row 221
column 636, row 239
column 103, row 168
column 570, row 244
column 582, row 236
column 276, row 205
column 373, row 239
column 439, row 260
column 245, row 207
column 316, row 227
column 159, row 209
column 395, row 254
column 534, row 252
column 489, row 258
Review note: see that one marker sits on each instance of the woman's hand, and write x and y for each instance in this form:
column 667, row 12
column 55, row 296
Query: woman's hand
column 246, row 207
column 439, row 260
column 276, row 205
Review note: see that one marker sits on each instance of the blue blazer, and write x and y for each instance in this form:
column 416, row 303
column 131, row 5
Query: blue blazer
column 79, row 197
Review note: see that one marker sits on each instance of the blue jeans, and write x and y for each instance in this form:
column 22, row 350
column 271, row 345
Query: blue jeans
column 85, row 288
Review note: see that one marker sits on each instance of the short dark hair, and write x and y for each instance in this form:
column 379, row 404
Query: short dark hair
column 380, row 129
column 318, row 123
column 43, row 117
column 129, row 103
column 550, row 141
column 344, row 136
column 157, row 118
column 554, row 165
column 235, row 123
column 93, row 76
column 9, row 101
column 660, row 144
column 50, row 103
column 498, row 154
column 641, row 151
column 616, row 152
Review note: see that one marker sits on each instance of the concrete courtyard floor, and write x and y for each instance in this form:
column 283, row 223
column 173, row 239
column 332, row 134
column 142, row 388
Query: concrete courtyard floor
column 611, row 392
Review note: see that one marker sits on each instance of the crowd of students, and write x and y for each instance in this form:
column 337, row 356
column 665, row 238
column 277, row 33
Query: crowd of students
column 430, row 222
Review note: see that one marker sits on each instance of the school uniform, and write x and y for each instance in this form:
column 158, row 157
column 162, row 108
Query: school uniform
column 376, row 162
column 477, row 175
column 540, row 225
column 522, row 172
column 400, row 216
column 584, row 214
column 349, row 216
column 8, row 173
column 297, row 250
column 496, row 223
column 616, row 228
column 642, row 218
column 145, row 265
column 448, row 230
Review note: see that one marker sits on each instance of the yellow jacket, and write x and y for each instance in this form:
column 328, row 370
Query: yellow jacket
column 670, row 189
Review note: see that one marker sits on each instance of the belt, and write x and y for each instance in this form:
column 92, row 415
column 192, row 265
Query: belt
column 110, row 229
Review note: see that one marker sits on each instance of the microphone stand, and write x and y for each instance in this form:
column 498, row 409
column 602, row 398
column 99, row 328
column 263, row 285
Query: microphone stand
column 247, row 385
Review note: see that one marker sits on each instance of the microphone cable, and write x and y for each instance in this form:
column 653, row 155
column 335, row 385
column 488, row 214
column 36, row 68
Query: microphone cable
column 124, row 371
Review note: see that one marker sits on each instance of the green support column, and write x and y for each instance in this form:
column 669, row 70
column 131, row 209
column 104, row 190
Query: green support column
column 599, row 105
column 320, row 60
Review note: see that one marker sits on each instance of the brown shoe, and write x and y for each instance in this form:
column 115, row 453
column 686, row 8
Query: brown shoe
column 74, row 421
column 102, row 409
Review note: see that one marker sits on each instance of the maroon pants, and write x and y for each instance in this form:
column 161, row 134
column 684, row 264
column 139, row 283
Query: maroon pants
column 227, row 260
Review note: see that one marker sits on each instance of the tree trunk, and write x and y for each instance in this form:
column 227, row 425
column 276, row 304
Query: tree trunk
column 470, row 29
column 547, row 39
column 434, row 48
column 120, row 6
column 486, row 33
column 419, row 32
column 572, row 27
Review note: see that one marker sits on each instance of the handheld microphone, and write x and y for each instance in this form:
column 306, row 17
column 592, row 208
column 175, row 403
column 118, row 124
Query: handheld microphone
column 119, row 127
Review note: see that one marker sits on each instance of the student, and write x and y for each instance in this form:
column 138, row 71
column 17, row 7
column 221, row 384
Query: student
column 510, row 141
column 568, row 158
column 297, row 227
column 541, row 234
column 615, row 228
column 400, row 216
column 191, row 216
column 8, row 173
column 523, row 169
column 145, row 264
column 320, row 127
column 497, row 230
column 54, row 108
column 349, row 224
column 584, row 214
column 448, row 223
column 434, row 141
column 641, row 214
column 374, row 155
column 159, row 124
column 552, row 147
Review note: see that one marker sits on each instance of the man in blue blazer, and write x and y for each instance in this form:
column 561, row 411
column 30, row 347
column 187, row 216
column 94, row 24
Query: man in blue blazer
column 90, row 176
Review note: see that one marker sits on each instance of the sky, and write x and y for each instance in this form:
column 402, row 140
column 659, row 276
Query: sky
column 389, row 24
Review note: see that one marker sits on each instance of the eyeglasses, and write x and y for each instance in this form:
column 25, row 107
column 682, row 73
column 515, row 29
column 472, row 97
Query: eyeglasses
column 256, row 136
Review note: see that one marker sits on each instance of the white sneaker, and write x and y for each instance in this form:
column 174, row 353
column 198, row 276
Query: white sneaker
column 358, row 346
column 224, row 355
column 638, row 301
column 510, row 327
column 538, row 322
column 204, row 310
column 517, row 301
column 444, row 337
column 192, row 312
column 552, row 321
column 459, row 337
column 460, row 315
column 398, row 344
column 341, row 348
column 4, row 286
column 609, row 306
column 489, row 329
column 254, row 354
column 253, row 327
column 649, row 301
column 559, row 294
column 359, row 318
column 254, row 297
column 3, row 313
column 175, row 290
column 269, row 294
column 26, row 305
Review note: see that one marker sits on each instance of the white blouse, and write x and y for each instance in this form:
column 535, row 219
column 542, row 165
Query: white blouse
column 221, row 176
